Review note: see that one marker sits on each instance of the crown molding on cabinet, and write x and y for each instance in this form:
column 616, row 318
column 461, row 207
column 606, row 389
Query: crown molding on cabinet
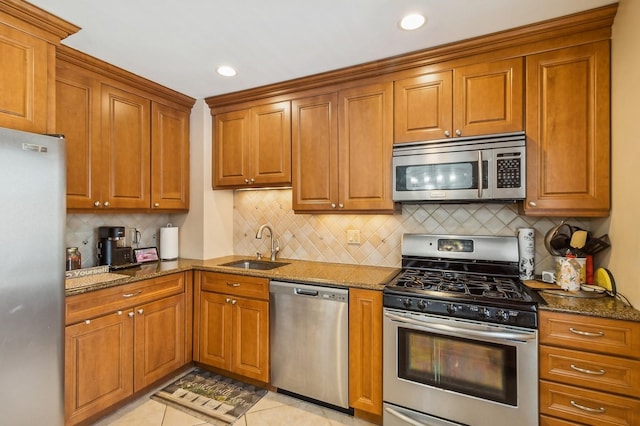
column 53, row 28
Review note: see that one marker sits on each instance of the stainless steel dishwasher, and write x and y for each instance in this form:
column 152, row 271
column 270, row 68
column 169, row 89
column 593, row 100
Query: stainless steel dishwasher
column 309, row 328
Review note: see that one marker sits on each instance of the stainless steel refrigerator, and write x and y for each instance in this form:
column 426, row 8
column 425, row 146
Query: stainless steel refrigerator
column 32, row 259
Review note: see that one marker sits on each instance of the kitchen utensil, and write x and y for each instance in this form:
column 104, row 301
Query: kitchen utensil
column 578, row 240
column 604, row 278
column 596, row 245
column 557, row 239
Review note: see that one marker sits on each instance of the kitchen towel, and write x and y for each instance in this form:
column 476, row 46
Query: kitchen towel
column 526, row 249
column 169, row 242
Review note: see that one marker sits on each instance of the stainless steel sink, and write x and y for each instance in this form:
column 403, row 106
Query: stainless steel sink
column 263, row 265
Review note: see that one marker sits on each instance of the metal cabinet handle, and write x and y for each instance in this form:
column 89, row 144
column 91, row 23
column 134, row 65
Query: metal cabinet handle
column 586, row 333
column 135, row 293
column 140, row 311
column 87, row 321
column 119, row 312
column 447, row 134
column 458, row 132
column 230, row 284
column 252, row 180
column 156, row 204
column 234, row 301
column 227, row 300
column 585, row 371
column 587, row 409
column 532, row 204
column 96, row 204
column 341, row 206
column 246, row 181
column 106, row 204
column 131, row 314
column 333, row 205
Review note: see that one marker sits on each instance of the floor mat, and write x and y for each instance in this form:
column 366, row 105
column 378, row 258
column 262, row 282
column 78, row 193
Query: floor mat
column 214, row 398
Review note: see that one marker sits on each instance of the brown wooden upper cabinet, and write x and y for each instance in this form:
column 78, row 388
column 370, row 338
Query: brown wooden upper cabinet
column 252, row 147
column 342, row 150
column 568, row 146
column 477, row 99
column 126, row 149
column 28, row 40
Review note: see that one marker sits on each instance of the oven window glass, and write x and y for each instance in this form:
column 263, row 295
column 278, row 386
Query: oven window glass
column 481, row 369
column 443, row 176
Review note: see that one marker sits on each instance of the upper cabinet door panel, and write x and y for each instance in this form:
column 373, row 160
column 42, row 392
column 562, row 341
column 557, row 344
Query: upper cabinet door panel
column 568, row 146
column 126, row 145
column 315, row 152
column 231, row 148
column 423, row 107
column 271, row 143
column 488, row 98
column 169, row 157
column 24, row 68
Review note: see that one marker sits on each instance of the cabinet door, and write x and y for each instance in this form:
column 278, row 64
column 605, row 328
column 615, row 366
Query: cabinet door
column 315, row 152
column 159, row 340
column 488, row 98
column 423, row 107
column 215, row 330
column 250, row 356
column 568, row 147
column 365, row 142
column 271, row 144
column 169, row 158
column 231, row 156
column 365, row 354
column 126, row 145
column 98, row 365
column 78, row 118
column 24, row 80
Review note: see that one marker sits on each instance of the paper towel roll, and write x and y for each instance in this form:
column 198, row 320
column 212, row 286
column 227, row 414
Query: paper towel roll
column 527, row 250
column 169, row 242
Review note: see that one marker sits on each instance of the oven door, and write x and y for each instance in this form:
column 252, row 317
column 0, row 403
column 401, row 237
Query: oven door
column 468, row 372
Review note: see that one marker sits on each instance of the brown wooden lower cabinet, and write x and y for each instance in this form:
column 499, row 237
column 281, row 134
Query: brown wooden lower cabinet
column 365, row 350
column 111, row 356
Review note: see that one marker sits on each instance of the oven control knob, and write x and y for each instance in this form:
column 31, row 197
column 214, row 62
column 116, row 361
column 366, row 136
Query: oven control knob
column 484, row 312
column 452, row 309
column 422, row 305
column 406, row 302
column 502, row 315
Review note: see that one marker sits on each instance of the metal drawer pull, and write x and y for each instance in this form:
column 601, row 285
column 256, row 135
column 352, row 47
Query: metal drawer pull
column 588, row 409
column 585, row 371
column 230, row 284
column 135, row 293
column 586, row 333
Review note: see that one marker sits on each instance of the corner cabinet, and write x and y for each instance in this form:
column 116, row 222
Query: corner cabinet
column 469, row 100
column 28, row 40
column 568, row 132
column 252, row 147
column 233, row 324
column 365, row 353
column 127, row 148
column 342, row 150
column 122, row 339
column 589, row 370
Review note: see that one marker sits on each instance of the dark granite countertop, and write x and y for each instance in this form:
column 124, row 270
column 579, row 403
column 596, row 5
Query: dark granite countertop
column 333, row 274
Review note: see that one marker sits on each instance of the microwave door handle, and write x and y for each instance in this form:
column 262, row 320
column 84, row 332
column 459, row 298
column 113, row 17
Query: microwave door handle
column 480, row 174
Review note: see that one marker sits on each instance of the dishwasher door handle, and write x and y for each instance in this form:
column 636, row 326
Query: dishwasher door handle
column 304, row 292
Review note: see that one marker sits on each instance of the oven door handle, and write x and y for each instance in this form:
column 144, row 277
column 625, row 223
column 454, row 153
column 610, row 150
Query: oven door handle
column 461, row 330
column 480, row 174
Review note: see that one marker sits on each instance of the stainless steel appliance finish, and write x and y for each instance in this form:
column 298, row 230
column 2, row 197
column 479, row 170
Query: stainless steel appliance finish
column 478, row 168
column 32, row 249
column 460, row 335
column 310, row 341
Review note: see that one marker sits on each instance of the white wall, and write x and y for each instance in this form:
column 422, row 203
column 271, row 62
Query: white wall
column 207, row 230
column 625, row 114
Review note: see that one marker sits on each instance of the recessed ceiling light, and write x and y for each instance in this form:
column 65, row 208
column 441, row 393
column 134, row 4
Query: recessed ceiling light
column 226, row 71
column 412, row 22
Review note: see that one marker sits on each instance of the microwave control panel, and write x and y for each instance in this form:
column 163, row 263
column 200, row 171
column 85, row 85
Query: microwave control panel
column 508, row 170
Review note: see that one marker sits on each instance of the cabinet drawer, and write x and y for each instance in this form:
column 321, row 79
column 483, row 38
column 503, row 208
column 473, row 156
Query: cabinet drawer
column 239, row 285
column 603, row 335
column 93, row 304
column 552, row 421
column 587, row 407
column 593, row 371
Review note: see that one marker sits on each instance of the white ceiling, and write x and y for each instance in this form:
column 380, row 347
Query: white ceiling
column 179, row 44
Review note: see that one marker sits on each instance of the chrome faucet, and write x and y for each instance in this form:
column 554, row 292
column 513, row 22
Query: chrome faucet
column 275, row 245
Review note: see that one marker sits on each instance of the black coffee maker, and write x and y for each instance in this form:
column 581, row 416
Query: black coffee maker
column 111, row 249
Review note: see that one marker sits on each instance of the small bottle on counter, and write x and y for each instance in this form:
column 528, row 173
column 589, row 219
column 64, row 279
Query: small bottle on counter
column 74, row 258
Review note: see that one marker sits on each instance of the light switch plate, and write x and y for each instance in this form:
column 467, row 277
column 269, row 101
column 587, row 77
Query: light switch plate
column 353, row 236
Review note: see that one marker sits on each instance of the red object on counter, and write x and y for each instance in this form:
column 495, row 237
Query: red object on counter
column 589, row 271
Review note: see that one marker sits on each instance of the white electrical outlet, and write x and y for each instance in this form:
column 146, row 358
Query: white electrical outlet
column 353, row 236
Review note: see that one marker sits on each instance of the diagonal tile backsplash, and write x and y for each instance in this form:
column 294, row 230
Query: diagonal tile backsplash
column 323, row 237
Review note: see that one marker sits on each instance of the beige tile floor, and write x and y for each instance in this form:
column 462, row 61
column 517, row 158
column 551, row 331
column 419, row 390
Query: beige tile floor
column 273, row 409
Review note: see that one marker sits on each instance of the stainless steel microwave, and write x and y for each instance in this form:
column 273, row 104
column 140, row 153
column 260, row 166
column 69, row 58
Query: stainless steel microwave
column 466, row 169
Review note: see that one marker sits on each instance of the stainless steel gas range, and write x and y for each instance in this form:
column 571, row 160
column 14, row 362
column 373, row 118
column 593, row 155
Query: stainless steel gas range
column 460, row 335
